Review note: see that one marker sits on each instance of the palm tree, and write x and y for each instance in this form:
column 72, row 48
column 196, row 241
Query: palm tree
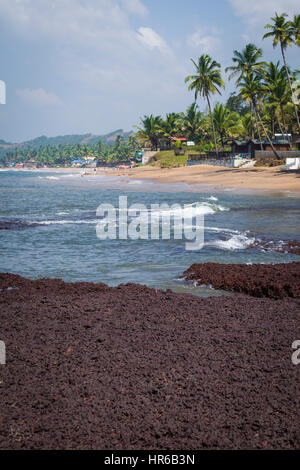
column 206, row 82
column 170, row 126
column 151, row 129
column 245, row 61
column 251, row 90
column 247, row 126
column 295, row 25
column 282, row 33
column 276, row 86
column 227, row 123
column 191, row 122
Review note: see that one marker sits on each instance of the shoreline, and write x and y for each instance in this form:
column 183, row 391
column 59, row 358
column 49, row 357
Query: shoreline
column 220, row 178
column 199, row 178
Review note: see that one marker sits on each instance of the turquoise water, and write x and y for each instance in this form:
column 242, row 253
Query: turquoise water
column 50, row 220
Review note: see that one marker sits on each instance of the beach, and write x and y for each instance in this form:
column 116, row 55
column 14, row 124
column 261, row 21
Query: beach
column 216, row 177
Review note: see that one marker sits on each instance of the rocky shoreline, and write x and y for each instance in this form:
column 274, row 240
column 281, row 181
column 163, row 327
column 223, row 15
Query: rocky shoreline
column 275, row 281
column 95, row 367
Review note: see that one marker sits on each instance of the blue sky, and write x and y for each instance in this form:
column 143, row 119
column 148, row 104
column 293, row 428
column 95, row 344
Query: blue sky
column 78, row 66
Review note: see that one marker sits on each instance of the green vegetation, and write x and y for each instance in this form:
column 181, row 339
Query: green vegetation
column 206, row 83
column 167, row 159
column 60, row 155
column 262, row 106
column 285, row 33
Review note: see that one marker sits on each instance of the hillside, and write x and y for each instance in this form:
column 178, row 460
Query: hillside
column 73, row 139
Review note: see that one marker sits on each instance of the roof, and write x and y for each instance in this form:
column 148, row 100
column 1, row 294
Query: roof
column 264, row 142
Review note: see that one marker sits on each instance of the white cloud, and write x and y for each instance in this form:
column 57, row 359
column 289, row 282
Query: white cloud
column 206, row 43
column 152, row 39
column 136, row 7
column 82, row 22
column 260, row 11
column 107, row 72
column 39, row 97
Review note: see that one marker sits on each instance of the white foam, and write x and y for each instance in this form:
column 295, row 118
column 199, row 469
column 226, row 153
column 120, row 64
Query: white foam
column 66, row 222
column 236, row 242
column 190, row 210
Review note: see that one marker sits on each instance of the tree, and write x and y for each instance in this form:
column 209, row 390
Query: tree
column 245, row 61
column 237, row 104
column 206, row 82
column 151, row 129
column 227, row 123
column 283, row 32
column 247, row 126
column 170, row 126
column 295, row 26
column 251, row 90
column 277, row 90
column 191, row 122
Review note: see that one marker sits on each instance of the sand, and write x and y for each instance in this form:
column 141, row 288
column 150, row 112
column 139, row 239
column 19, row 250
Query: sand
column 213, row 177
column 217, row 177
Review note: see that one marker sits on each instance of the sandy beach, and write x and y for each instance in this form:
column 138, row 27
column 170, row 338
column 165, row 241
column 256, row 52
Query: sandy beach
column 217, row 177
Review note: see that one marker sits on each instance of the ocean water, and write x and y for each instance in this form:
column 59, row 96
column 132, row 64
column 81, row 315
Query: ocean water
column 50, row 229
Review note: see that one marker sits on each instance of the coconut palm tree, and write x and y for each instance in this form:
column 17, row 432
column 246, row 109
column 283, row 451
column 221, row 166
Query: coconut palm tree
column 277, row 91
column 206, row 82
column 170, row 126
column 251, row 89
column 283, row 34
column 191, row 122
column 295, row 25
column 245, row 61
column 151, row 130
column 227, row 123
column 247, row 126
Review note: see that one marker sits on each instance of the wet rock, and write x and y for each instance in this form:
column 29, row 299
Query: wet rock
column 275, row 281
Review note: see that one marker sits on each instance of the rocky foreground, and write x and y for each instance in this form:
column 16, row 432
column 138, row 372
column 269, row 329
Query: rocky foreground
column 95, row 367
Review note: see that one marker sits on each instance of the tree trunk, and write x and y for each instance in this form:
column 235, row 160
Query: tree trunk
column 279, row 125
column 256, row 120
column 267, row 136
column 285, row 126
column 251, row 120
column 213, row 126
column 222, row 141
column 289, row 80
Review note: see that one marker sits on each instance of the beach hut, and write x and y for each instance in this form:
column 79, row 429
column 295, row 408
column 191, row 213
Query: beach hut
column 248, row 148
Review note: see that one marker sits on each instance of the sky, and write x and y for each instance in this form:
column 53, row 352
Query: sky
column 94, row 66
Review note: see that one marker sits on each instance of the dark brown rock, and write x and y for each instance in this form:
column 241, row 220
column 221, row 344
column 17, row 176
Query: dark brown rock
column 96, row 367
column 275, row 281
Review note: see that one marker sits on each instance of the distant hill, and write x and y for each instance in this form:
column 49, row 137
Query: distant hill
column 65, row 140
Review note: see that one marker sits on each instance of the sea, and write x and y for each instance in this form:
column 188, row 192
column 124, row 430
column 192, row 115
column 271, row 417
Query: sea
column 48, row 223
